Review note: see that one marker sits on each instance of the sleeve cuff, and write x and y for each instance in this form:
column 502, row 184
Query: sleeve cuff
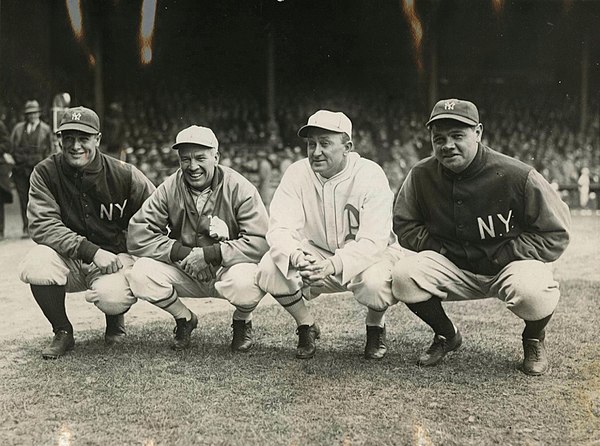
column 338, row 266
column 87, row 250
column 179, row 252
column 212, row 254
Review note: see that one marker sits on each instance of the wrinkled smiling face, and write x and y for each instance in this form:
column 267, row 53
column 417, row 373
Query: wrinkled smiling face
column 454, row 143
column 79, row 148
column 327, row 151
column 198, row 164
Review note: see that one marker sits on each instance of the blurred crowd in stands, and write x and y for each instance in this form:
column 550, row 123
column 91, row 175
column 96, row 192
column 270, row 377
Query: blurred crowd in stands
column 541, row 130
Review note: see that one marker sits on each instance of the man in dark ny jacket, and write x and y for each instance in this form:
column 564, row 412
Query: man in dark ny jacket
column 483, row 225
column 80, row 203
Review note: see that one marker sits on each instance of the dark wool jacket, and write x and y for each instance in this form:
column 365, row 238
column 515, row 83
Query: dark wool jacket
column 76, row 212
column 496, row 211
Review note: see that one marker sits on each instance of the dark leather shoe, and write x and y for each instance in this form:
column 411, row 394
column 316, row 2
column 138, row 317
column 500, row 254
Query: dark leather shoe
column 242, row 336
column 183, row 331
column 375, row 348
column 535, row 362
column 63, row 341
column 439, row 348
column 307, row 336
column 115, row 329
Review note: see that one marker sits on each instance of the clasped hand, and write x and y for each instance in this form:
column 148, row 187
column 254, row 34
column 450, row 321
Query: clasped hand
column 196, row 266
column 107, row 262
column 313, row 271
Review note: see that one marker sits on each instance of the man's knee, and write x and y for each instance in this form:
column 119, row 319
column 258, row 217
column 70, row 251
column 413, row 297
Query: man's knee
column 43, row 266
column 111, row 294
column 238, row 285
column 271, row 280
column 141, row 277
column 373, row 288
column 404, row 287
column 530, row 290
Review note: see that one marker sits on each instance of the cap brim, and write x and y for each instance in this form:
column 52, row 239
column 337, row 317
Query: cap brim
column 303, row 132
column 458, row 118
column 79, row 127
column 180, row 143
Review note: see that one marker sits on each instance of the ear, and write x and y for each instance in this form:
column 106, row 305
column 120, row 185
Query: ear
column 98, row 138
column 217, row 156
column 479, row 131
column 348, row 147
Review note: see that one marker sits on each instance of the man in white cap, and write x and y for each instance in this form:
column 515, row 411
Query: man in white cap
column 31, row 142
column 484, row 225
column 330, row 230
column 201, row 234
column 80, row 202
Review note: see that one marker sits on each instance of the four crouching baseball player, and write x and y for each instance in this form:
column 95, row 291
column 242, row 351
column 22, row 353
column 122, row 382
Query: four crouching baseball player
column 484, row 225
column 80, row 202
column 330, row 230
column 201, row 234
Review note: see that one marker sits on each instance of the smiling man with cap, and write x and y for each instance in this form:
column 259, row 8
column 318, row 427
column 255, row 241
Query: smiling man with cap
column 80, row 202
column 31, row 142
column 330, row 231
column 201, row 234
column 484, row 225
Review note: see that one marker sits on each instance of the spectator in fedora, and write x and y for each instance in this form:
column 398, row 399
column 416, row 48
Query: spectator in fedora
column 31, row 142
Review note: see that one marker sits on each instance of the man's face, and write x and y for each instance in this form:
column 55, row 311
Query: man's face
column 327, row 151
column 454, row 143
column 198, row 165
column 79, row 148
column 32, row 117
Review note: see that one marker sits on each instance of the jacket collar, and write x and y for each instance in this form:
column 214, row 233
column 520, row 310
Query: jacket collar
column 92, row 168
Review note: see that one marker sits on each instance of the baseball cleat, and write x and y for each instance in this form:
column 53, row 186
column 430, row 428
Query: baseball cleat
column 375, row 347
column 439, row 348
column 535, row 362
column 242, row 336
column 115, row 329
column 183, row 332
column 62, row 342
column 307, row 336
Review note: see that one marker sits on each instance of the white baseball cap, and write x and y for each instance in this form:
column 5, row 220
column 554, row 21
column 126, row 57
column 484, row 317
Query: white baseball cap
column 195, row 134
column 327, row 120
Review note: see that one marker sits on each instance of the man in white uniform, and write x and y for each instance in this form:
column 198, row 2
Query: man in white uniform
column 330, row 230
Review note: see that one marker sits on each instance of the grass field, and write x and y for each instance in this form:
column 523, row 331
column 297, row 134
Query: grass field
column 142, row 393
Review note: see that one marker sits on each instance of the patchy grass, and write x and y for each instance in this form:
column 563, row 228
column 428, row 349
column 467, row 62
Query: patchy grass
column 143, row 393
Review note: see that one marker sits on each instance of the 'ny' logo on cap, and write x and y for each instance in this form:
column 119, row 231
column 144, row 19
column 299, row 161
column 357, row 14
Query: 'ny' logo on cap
column 76, row 116
column 449, row 105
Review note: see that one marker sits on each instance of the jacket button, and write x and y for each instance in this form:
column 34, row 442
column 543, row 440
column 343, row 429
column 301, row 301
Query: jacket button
column 459, row 202
column 460, row 226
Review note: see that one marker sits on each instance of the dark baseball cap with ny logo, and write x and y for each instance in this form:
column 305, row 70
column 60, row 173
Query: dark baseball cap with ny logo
column 456, row 109
column 80, row 118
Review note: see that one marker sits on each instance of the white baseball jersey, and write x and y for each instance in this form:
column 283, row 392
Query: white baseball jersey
column 348, row 215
